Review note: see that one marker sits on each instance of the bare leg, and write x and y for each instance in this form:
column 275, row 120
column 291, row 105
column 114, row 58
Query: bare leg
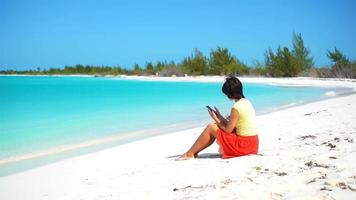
column 206, row 138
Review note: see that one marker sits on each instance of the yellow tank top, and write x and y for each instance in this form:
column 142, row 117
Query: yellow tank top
column 246, row 124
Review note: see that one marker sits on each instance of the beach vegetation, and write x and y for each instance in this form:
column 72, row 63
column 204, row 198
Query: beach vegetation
column 289, row 63
column 170, row 69
column 301, row 54
column 196, row 64
column 137, row 69
column 149, row 69
column 281, row 63
column 284, row 61
column 257, row 69
column 159, row 67
column 222, row 62
column 342, row 67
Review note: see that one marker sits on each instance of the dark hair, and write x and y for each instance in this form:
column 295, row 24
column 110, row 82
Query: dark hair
column 233, row 88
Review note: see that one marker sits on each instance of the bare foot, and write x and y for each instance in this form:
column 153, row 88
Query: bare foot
column 185, row 157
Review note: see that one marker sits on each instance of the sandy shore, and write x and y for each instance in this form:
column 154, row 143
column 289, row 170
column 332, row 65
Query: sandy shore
column 306, row 152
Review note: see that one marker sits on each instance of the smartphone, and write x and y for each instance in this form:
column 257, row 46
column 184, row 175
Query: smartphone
column 210, row 109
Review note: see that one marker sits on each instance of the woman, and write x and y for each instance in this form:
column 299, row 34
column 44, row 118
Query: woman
column 237, row 135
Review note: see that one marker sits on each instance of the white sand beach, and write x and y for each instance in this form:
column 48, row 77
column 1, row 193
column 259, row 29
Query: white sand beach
column 306, row 152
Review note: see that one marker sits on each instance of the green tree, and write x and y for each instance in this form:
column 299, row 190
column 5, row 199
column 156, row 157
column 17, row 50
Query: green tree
column 281, row 63
column 235, row 67
column 288, row 63
column 159, row 67
column 271, row 63
column 258, row 69
column 149, row 68
column 196, row 64
column 301, row 54
column 222, row 62
column 337, row 57
column 342, row 67
column 220, row 58
column 137, row 69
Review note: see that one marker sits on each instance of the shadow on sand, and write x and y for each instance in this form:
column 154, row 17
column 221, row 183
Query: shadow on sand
column 201, row 156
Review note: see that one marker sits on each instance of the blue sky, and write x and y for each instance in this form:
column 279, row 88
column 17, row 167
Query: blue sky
column 55, row 33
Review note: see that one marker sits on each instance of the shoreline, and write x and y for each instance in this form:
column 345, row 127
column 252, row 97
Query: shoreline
column 306, row 152
column 90, row 146
column 285, row 81
column 24, row 162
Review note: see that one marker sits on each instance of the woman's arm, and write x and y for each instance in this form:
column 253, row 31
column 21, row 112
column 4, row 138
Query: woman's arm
column 226, row 125
column 222, row 119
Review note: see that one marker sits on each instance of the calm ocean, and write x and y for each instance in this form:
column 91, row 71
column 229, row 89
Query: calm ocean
column 41, row 113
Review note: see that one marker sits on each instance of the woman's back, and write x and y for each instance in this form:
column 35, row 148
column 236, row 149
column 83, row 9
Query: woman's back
column 246, row 124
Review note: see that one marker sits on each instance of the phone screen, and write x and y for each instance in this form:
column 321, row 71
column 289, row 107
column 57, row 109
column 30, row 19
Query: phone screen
column 208, row 107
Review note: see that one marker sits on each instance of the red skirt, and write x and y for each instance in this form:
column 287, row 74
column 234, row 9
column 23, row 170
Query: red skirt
column 232, row 145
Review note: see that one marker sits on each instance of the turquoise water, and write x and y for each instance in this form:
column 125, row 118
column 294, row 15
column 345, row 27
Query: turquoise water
column 39, row 113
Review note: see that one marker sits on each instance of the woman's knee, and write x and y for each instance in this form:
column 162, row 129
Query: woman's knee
column 213, row 127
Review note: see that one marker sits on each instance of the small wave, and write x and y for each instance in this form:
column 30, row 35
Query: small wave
column 290, row 105
column 330, row 93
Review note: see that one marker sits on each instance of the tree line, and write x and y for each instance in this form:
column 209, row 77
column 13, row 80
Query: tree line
column 282, row 62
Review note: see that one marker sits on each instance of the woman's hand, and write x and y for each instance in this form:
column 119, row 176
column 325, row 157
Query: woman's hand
column 213, row 115
column 220, row 117
column 218, row 114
